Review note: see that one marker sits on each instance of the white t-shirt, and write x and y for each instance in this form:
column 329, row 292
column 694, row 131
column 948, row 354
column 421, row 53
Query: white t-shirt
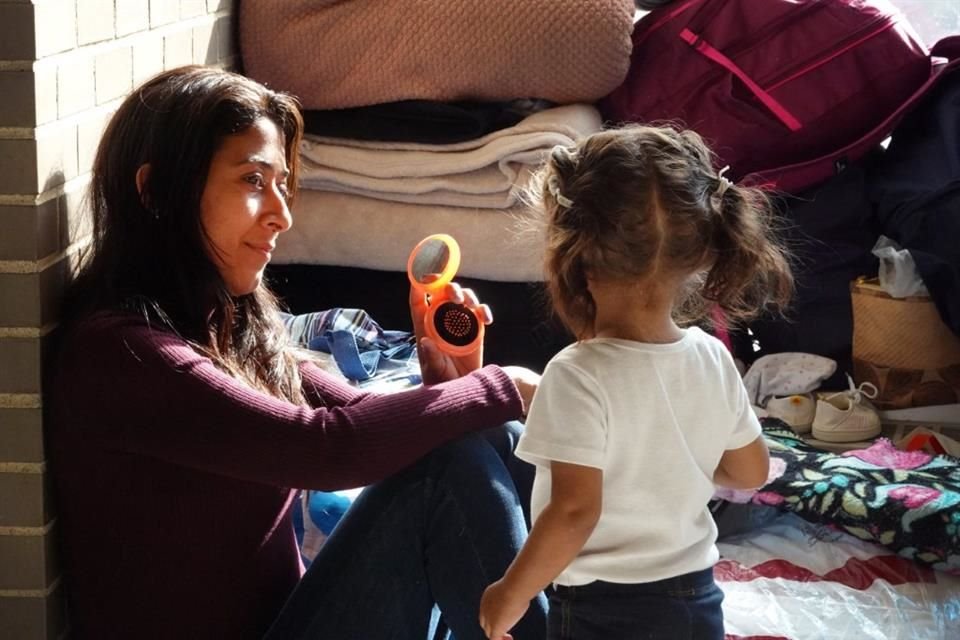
column 656, row 418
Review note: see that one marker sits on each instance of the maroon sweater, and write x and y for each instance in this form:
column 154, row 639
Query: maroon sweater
column 174, row 480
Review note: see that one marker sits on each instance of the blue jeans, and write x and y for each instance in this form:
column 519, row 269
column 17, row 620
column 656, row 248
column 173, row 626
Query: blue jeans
column 431, row 537
column 686, row 607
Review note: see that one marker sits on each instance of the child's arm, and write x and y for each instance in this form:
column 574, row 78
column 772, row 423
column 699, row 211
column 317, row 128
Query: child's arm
column 744, row 468
column 557, row 537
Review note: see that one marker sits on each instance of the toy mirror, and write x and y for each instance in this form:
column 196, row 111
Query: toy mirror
column 433, row 262
column 454, row 327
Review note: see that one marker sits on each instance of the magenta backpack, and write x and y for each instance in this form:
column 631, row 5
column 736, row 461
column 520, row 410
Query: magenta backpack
column 785, row 91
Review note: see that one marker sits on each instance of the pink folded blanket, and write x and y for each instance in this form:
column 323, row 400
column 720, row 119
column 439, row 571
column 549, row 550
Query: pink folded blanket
column 347, row 53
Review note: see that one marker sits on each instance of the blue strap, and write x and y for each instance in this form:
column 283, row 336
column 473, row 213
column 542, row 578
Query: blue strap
column 353, row 364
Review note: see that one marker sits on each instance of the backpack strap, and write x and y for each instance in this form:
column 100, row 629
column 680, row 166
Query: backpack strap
column 710, row 52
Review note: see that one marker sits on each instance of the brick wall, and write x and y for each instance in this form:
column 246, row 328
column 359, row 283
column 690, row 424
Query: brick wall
column 64, row 67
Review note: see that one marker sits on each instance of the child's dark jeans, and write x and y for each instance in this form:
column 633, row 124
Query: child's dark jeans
column 686, row 607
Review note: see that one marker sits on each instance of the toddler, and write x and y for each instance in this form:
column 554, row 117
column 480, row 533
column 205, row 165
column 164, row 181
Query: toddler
column 634, row 424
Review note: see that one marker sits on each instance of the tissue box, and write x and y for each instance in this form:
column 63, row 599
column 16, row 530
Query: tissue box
column 902, row 346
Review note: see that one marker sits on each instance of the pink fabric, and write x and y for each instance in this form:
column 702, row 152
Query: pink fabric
column 334, row 54
column 720, row 329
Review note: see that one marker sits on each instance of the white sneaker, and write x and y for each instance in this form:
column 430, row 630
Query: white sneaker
column 845, row 416
column 797, row 411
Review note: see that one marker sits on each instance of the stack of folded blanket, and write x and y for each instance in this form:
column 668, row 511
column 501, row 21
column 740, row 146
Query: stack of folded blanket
column 430, row 119
column 367, row 203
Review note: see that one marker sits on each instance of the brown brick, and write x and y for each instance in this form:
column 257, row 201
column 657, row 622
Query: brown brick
column 19, row 369
column 21, row 435
column 18, row 166
column 28, row 562
column 19, row 300
column 19, row 98
column 24, row 497
column 18, row 41
column 34, row 618
column 30, row 232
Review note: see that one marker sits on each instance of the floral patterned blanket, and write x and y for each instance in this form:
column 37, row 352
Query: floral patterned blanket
column 907, row 501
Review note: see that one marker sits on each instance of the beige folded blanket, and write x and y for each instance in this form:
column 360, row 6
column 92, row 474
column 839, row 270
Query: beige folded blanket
column 347, row 53
column 488, row 172
column 339, row 229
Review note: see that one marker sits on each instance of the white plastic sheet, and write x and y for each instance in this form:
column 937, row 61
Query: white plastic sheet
column 799, row 581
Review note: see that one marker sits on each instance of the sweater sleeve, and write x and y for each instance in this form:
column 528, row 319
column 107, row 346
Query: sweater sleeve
column 323, row 389
column 145, row 391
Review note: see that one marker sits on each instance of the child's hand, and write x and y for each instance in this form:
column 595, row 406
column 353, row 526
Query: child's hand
column 500, row 610
column 526, row 381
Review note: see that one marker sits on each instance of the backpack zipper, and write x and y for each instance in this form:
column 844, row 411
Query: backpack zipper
column 886, row 22
column 762, row 94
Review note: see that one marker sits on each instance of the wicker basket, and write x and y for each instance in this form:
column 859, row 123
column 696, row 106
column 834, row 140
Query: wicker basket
column 902, row 346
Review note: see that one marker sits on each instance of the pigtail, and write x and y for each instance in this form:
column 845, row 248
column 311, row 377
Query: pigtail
column 751, row 272
column 570, row 237
column 558, row 177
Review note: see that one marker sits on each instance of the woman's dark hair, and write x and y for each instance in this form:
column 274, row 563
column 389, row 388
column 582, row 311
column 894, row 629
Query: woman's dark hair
column 148, row 250
column 644, row 202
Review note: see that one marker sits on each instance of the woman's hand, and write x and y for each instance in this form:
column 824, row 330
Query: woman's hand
column 527, row 382
column 500, row 610
column 435, row 365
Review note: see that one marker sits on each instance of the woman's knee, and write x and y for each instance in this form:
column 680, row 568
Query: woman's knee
column 504, row 437
column 482, row 456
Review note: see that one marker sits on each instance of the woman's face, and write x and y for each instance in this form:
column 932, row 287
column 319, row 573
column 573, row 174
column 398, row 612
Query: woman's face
column 244, row 208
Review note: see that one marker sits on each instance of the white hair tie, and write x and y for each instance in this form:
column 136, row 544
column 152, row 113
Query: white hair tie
column 723, row 183
column 553, row 186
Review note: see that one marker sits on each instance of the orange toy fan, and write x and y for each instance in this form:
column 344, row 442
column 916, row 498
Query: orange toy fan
column 454, row 327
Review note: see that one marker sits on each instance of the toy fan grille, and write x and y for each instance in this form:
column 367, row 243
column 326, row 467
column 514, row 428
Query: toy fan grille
column 456, row 324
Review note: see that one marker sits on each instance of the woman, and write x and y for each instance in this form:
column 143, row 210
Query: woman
column 180, row 420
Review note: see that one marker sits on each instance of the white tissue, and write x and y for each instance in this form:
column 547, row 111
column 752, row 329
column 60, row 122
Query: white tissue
column 898, row 273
